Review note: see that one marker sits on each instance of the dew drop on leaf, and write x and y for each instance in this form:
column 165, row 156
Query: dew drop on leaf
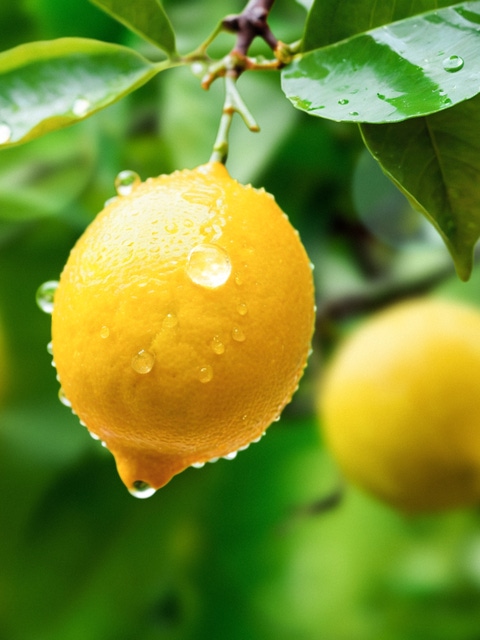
column 453, row 64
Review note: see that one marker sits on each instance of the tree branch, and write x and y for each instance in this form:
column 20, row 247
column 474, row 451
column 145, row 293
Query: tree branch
column 249, row 24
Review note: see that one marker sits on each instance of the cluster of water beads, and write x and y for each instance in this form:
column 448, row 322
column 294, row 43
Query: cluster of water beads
column 45, row 295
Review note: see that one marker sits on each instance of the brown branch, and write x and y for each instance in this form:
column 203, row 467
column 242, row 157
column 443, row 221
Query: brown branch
column 249, row 24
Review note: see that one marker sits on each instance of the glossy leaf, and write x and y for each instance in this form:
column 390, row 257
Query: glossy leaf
column 49, row 85
column 330, row 21
column 407, row 69
column 145, row 17
column 435, row 161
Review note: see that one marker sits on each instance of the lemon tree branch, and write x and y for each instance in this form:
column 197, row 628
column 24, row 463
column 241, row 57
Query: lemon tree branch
column 233, row 104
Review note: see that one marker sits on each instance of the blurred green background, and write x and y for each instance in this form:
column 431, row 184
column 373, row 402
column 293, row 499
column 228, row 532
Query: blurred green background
column 237, row 550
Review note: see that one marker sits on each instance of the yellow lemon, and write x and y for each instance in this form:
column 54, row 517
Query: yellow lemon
column 400, row 405
column 182, row 321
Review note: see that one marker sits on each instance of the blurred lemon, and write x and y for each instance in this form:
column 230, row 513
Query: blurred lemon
column 182, row 322
column 400, row 405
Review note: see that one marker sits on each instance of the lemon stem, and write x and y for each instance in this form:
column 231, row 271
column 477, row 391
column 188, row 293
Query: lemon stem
column 233, row 104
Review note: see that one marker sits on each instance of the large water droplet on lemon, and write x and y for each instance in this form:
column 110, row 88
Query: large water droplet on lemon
column 209, row 266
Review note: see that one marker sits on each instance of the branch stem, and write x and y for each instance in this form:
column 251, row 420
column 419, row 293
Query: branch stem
column 233, row 104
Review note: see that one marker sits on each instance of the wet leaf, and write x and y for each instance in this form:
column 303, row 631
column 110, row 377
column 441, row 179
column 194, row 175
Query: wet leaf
column 49, row 85
column 435, row 162
column 330, row 21
column 411, row 68
column 145, row 17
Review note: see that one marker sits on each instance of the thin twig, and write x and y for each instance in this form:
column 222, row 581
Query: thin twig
column 233, row 104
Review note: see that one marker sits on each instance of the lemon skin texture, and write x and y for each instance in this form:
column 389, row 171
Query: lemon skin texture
column 183, row 321
column 400, row 406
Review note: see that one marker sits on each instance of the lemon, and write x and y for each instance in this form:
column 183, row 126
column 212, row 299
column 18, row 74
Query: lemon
column 400, row 405
column 182, row 321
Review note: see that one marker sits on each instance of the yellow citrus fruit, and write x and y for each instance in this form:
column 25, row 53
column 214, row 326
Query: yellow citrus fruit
column 182, row 321
column 400, row 405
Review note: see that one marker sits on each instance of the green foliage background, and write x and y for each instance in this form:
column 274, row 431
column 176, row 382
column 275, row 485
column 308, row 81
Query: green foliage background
column 234, row 550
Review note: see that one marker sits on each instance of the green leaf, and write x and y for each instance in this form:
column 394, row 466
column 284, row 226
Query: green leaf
column 46, row 176
column 411, row 68
column 435, row 162
column 49, row 85
column 145, row 17
column 330, row 21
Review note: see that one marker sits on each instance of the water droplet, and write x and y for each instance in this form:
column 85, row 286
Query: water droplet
column 170, row 321
column 238, row 279
column 237, row 334
column 80, row 107
column 205, row 374
column 171, row 227
column 453, row 63
column 104, row 332
column 50, row 348
column 126, row 181
column 208, row 265
column 141, row 489
column 217, row 345
column 343, row 101
column 5, row 133
column 63, row 398
column 197, row 465
column 230, row 456
column 94, row 435
column 143, row 361
column 45, row 295
column 242, row 308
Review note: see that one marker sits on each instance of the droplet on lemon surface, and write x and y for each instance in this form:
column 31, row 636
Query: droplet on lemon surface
column 208, row 265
